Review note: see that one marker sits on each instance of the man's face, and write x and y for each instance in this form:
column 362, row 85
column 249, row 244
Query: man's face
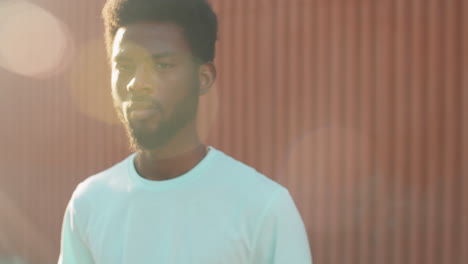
column 155, row 82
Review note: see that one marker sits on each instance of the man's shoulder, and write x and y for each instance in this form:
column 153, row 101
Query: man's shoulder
column 246, row 179
column 102, row 181
column 246, row 191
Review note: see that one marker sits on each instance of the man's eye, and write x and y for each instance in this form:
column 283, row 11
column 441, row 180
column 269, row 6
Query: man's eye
column 124, row 67
column 164, row 66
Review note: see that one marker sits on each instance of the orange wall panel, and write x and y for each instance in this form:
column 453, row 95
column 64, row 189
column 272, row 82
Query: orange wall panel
column 358, row 107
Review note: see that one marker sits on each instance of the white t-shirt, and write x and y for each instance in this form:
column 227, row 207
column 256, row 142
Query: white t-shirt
column 220, row 212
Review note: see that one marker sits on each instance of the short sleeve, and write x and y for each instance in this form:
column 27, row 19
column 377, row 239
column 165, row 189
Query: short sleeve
column 281, row 236
column 73, row 249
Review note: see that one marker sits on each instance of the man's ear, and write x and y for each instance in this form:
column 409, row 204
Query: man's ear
column 207, row 76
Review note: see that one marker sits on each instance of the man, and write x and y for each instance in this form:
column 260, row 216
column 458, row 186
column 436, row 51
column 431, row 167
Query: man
column 174, row 200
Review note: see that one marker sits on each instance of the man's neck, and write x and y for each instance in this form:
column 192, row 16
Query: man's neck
column 154, row 167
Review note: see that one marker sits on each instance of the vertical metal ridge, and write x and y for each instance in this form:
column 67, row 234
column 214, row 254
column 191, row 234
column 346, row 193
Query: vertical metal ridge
column 462, row 214
column 418, row 128
column 451, row 128
column 236, row 63
column 274, row 86
column 250, row 75
column 368, row 108
column 265, row 60
column 228, row 70
column 292, row 80
column 280, row 85
column 435, row 82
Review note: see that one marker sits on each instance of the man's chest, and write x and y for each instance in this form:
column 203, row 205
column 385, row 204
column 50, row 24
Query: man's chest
column 151, row 233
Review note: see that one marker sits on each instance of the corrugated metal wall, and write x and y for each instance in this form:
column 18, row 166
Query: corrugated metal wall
column 358, row 107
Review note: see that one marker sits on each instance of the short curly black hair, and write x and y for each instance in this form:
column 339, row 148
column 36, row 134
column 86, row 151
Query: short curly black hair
column 195, row 17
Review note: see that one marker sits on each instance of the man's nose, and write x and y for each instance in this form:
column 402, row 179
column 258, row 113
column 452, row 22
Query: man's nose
column 142, row 81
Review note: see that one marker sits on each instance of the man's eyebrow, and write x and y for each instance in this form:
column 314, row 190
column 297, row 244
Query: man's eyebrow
column 121, row 57
column 163, row 55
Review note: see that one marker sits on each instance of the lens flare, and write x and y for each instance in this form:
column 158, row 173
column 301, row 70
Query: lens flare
column 331, row 165
column 33, row 42
column 90, row 83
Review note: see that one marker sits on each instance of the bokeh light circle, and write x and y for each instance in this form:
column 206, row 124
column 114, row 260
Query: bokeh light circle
column 33, row 42
column 90, row 82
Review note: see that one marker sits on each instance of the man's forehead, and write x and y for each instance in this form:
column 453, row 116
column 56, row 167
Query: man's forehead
column 152, row 37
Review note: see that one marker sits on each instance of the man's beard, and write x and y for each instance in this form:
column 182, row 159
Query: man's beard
column 167, row 127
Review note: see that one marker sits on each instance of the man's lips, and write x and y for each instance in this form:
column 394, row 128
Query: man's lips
column 142, row 110
column 143, row 113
